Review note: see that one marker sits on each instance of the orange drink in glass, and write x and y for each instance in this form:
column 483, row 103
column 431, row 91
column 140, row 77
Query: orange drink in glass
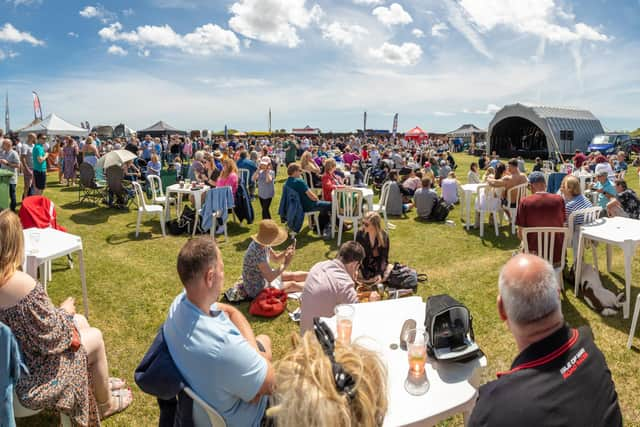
column 344, row 322
column 416, row 382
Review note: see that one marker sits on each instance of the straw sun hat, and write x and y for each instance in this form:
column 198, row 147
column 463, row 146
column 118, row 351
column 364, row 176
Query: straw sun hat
column 269, row 233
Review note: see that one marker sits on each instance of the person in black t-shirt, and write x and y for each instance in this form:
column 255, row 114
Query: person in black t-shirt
column 560, row 377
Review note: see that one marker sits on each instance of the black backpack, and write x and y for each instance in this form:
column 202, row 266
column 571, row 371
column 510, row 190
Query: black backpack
column 449, row 328
column 440, row 210
column 184, row 224
column 404, row 277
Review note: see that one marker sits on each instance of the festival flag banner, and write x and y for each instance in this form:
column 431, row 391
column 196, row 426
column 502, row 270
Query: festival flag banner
column 364, row 127
column 37, row 107
column 226, row 133
column 395, row 125
column 7, row 125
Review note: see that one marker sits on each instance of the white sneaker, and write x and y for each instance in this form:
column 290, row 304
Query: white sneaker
column 220, row 229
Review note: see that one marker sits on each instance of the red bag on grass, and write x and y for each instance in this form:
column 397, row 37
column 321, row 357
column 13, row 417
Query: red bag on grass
column 270, row 302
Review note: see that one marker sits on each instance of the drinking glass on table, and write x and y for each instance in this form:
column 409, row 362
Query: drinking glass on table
column 344, row 322
column 34, row 240
column 416, row 383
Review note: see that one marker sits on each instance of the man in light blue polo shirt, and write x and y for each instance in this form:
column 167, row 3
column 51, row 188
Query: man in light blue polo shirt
column 212, row 344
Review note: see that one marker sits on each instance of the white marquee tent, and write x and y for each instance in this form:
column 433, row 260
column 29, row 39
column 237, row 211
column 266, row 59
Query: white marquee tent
column 54, row 125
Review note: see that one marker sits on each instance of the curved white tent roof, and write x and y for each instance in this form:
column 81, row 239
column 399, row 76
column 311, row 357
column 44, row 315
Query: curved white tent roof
column 54, row 125
column 554, row 123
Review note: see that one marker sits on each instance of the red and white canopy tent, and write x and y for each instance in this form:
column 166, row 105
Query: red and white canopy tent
column 416, row 134
column 307, row 130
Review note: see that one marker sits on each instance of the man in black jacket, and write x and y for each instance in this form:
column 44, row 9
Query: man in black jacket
column 560, row 377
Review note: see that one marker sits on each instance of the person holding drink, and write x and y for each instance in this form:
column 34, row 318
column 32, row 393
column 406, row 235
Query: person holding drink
column 331, row 283
column 264, row 176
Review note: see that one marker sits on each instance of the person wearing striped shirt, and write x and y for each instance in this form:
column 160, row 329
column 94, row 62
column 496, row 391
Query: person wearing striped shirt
column 573, row 200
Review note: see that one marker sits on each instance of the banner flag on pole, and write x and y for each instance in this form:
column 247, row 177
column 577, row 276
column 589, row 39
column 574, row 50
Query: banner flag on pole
column 37, row 107
column 364, row 127
column 269, row 119
column 7, row 125
column 226, row 133
column 395, row 125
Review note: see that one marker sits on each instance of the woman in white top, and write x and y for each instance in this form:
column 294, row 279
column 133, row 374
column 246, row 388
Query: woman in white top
column 472, row 175
column 450, row 189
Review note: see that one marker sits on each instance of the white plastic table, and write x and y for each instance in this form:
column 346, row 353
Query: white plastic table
column 623, row 232
column 367, row 196
column 179, row 191
column 53, row 244
column 453, row 387
column 468, row 190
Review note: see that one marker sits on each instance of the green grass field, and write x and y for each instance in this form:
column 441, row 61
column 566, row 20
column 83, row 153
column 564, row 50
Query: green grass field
column 132, row 281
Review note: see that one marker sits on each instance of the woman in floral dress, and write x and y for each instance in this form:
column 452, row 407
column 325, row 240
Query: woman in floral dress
column 67, row 362
column 70, row 154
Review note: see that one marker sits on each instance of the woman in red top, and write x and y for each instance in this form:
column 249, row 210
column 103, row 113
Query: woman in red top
column 329, row 180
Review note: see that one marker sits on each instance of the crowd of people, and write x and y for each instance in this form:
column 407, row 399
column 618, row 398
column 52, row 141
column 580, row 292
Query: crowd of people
column 208, row 339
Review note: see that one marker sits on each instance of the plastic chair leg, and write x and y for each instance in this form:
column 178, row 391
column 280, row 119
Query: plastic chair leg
column 634, row 322
column 340, row 222
column 138, row 223
column 482, row 224
column 355, row 229
column 316, row 219
column 162, row 224
column 495, row 222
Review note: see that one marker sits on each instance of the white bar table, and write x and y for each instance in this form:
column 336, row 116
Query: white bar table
column 468, row 190
column 453, row 386
column 189, row 190
column 619, row 231
column 367, row 196
column 53, row 244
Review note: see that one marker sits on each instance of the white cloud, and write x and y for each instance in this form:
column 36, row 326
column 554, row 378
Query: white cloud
column 443, row 114
column 392, row 15
column 458, row 20
column 17, row 3
column 11, row 34
column 204, row 40
column 343, row 34
column 368, row 2
column 439, row 29
column 536, row 17
column 72, row 34
column 98, row 11
column 233, row 83
column 404, row 54
column 117, row 50
column 273, row 21
column 128, row 12
column 246, row 43
column 417, row 33
column 491, row 109
column 144, row 53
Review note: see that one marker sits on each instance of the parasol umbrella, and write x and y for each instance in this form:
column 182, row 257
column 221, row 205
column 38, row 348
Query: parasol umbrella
column 116, row 157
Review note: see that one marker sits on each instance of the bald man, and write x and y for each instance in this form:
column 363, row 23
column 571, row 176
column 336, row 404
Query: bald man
column 560, row 377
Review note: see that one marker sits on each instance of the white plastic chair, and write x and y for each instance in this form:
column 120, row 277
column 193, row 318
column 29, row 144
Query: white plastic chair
column 215, row 419
column 367, row 176
column 20, row 411
column 349, row 207
column 634, row 322
column 218, row 214
column 144, row 208
column 589, row 215
column 547, row 164
column 157, row 193
column 521, row 192
column 381, row 207
column 488, row 202
column 546, row 238
column 308, row 178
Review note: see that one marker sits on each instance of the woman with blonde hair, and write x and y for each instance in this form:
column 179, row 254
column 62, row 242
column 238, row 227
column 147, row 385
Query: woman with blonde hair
column 330, row 180
column 375, row 267
column 228, row 176
column 90, row 152
column 309, row 165
column 308, row 393
column 66, row 358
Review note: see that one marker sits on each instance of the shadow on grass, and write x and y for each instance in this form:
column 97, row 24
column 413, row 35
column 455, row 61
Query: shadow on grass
column 144, row 234
column 504, row 240
column 99, row 215
column 74, row 189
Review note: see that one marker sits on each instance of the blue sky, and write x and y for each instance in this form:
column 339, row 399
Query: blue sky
column 201, row 64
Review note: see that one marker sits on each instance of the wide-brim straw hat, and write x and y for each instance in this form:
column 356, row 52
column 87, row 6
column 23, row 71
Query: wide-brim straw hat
column 269, row 233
